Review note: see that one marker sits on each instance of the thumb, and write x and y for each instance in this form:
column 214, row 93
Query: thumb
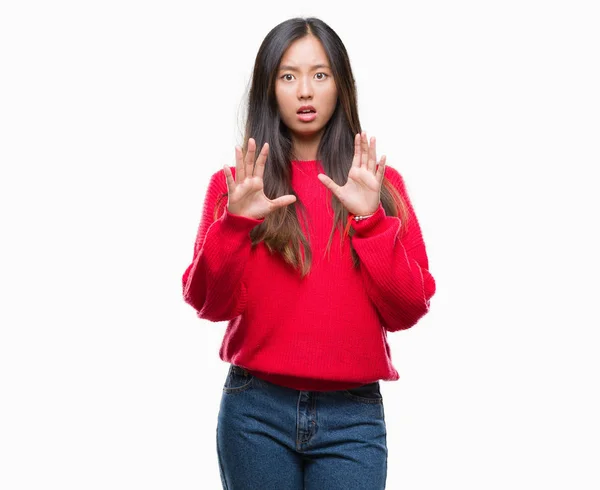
column 330, row 184
column 283, row 201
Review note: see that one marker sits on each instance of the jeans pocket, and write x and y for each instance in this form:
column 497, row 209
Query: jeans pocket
column 369, row 393
column 238, row 380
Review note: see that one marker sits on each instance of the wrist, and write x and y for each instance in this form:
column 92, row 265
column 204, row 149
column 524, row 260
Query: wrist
column 363, row 215
column 357, row 217
column 369, row 226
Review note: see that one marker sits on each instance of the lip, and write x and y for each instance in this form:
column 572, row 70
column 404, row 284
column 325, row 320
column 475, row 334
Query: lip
column 309, row 116
column 306, row 108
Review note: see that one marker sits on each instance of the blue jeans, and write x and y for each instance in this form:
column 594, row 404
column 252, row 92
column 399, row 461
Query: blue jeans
column 270, row 437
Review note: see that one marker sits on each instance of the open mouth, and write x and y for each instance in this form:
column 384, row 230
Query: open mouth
column 307, row 113
column 307, row 110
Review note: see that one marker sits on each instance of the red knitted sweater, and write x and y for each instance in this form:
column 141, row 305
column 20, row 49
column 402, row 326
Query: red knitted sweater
column 327, row 331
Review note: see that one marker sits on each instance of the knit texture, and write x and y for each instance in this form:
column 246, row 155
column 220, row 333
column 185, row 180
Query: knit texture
column 327, row 331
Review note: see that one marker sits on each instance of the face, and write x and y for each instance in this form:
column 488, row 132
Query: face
column 305, row 89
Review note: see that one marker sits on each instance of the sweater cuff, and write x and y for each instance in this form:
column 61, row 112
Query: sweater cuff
column 371, row 226
column 237, row 223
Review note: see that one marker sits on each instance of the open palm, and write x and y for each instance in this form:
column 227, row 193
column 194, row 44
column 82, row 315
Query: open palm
column 246, row 195
column 361, row 193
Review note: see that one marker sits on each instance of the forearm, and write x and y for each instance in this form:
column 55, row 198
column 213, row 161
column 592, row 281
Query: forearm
column 213, row 283
column 394, row 269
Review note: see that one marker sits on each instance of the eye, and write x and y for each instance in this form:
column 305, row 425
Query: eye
column 285, row 77
column 321, row 76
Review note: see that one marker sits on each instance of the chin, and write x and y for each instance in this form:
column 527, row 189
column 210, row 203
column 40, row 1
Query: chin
column 306, row 132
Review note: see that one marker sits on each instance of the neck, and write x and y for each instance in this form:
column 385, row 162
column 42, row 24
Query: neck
column 306, row 147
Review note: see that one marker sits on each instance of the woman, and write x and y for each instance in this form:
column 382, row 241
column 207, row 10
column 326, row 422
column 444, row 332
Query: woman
column 312, row 252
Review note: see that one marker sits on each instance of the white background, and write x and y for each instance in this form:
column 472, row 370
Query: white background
column 114, row 114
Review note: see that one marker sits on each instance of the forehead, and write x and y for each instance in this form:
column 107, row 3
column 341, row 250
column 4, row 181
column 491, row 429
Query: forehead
column 307, row 51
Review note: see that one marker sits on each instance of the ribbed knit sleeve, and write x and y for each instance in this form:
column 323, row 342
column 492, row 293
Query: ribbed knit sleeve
column 212, row 283
column 394, row 266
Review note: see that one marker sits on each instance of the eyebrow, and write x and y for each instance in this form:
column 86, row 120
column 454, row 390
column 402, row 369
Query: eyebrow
column 294, row 68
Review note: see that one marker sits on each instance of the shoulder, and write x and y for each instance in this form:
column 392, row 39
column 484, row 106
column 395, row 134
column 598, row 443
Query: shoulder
column 395, row 178
column 216, row 189
column 218, row 181
column 391, row 173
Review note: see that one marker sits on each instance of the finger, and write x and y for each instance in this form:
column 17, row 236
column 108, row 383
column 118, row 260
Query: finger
column 259, row 168
column 330, row 184
column 356, row 159
column 380, row 170
column 229, row 178
column 364, row 145
column 372, row 155
column 250, row 156
column 283, row 201
column 239, row 165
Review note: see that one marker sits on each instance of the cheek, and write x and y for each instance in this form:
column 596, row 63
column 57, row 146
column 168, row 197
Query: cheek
column 283, row 99
column 279, row 99
column 333, row 101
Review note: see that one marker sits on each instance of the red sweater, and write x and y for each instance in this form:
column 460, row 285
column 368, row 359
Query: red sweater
column 327, row 331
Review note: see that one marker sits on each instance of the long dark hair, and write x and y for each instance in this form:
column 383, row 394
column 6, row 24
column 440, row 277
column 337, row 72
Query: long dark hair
column 281, row 231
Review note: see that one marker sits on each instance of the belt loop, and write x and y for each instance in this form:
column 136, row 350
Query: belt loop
column 240, row 370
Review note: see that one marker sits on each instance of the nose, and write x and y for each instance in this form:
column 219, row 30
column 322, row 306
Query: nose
column 305, row 89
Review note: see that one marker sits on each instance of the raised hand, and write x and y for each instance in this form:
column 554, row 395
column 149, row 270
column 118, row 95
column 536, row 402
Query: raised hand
column 360, row 194
column 246, row 195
